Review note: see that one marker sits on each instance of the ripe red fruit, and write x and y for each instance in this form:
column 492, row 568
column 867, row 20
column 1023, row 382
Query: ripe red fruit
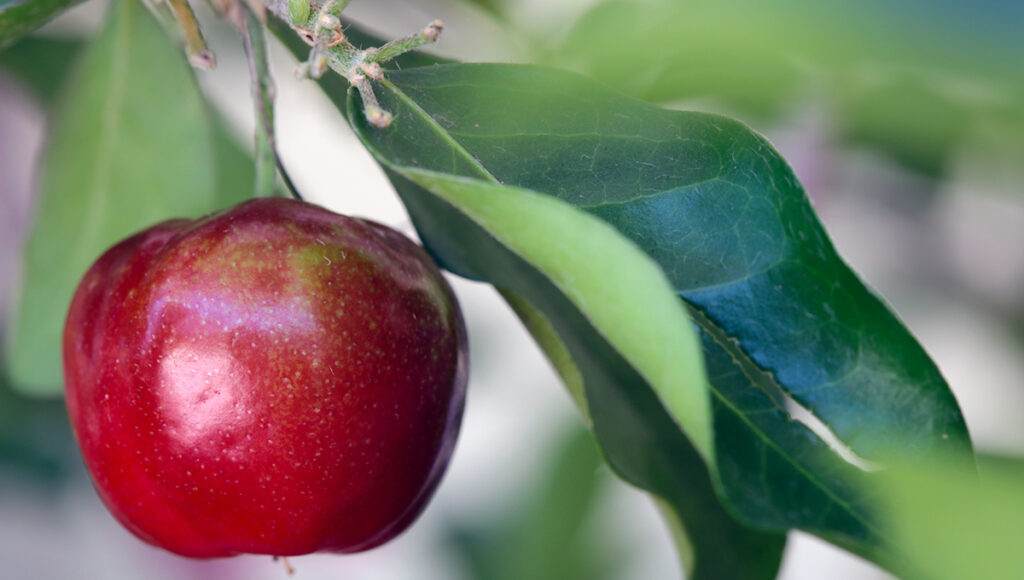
column 272, row 379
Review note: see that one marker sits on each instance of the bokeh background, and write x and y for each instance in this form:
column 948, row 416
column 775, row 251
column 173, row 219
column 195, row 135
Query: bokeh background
column 904, row 120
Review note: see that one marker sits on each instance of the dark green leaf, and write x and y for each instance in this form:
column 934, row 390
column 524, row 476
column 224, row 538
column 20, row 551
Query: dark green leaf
column 35, row 437
column 782, row 317
column 19, row 17
column 41, row 63
column 131, row 145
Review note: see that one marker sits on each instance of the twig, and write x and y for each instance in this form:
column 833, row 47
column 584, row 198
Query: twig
column 195, row 46
column 250, row 25
column 396, row 48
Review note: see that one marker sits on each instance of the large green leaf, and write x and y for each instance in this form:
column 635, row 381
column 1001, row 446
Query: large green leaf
column 784, row 321
column 19, row 17
column 131, row 145
column 664, row 461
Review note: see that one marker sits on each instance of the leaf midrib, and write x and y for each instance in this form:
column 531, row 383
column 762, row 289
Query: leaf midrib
column 716, row 334
column 441, row 132
column 99, row 190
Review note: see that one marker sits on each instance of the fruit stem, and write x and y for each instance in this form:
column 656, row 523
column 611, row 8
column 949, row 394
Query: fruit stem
column 267, row 161
column 288, row 568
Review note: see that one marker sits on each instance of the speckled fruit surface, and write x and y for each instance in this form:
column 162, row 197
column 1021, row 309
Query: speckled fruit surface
column 273, row 379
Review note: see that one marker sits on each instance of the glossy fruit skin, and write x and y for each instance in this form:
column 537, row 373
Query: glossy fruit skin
column 273, row 379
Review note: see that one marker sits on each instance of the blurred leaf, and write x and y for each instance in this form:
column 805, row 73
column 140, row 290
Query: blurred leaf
column 754, row 56
column 131, row 145
column 686, row 50
column 19, row 17
column 41, row 63
column 545, row 535
column 784, row 321
column 909, row 118
column 35, row 437
column 493, row 7
column 949, row 522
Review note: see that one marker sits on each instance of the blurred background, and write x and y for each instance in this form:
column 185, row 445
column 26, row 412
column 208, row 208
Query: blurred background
column 904, row 120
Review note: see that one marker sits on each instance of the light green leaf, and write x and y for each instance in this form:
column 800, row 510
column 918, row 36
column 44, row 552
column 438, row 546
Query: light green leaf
column 949, row 522
column 601, row 273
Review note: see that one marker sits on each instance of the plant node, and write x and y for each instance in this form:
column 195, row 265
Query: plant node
column 195, row 45
column 330, row 48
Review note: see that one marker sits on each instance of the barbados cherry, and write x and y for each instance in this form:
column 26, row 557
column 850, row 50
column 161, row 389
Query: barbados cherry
column 273, row 379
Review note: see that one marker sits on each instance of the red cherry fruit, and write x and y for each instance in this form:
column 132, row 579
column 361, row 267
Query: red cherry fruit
column 272, row 379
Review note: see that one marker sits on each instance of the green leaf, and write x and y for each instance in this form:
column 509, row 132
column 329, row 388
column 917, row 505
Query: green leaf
column 19, row 17
column 235, row 171
column 551, row 527
column 131, row 145
column 950, row 522
column 546, row 533
column 495, row 8
column 910, row 118
column 783, row 320
column 41, row 63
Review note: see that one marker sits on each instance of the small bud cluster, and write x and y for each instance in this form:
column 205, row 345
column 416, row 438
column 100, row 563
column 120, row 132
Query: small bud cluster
column 320, row 26
column 330, row 49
